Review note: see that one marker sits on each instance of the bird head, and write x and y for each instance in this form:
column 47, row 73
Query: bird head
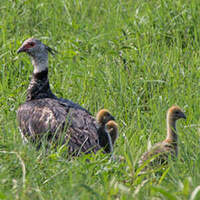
column 112, row 127
column 175, row 113
column 35, row 47
column 103, row 116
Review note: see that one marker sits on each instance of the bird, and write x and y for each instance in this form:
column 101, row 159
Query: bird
column 112, row 128
column 111, row 131
column 103, row 117
column 43, row 113
column 160, row 153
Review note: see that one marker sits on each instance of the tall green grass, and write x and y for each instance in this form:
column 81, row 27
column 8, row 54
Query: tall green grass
column 134, row 57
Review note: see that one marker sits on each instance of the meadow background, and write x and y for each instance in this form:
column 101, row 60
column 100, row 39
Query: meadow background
column 136, row 58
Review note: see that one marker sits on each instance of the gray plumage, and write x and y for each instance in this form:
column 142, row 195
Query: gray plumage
column 45, row 114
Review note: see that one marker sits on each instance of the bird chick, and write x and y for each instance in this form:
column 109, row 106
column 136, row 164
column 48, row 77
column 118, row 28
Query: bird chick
column 103, row 116
column 105, row 141
column 161, row 151
column 112, row 129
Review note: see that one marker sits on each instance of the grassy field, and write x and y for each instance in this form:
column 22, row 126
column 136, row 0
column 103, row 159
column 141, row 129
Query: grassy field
column 134, row 57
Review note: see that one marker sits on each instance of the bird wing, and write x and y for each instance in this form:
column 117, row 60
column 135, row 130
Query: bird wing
column 54, row 117
column 82, row 133
column 71, row 104
column 159, row 154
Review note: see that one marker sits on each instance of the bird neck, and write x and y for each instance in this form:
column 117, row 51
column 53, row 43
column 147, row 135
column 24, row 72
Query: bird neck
column 105, row 139
column 39, row 86
column 114, row 135
column 172, row 136
column 40, row 63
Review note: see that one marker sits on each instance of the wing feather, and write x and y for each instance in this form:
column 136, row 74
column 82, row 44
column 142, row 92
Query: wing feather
column 54, row 117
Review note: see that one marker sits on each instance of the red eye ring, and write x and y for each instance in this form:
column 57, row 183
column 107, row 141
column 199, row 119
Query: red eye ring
column 29, row 45
column 32, row 44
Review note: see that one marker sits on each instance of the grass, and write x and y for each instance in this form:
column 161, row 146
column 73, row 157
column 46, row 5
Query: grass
column 136, row 58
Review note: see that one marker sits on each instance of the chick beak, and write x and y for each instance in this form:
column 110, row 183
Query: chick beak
column 112, row 118
column 183, row 116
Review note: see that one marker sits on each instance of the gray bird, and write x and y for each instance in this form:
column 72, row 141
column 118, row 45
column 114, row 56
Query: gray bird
column 45, row 114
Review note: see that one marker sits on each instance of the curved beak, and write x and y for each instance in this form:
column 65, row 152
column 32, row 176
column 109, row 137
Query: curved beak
column 21, row 49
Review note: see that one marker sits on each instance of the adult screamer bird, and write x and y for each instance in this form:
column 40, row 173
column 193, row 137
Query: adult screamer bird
column 161, row 151
column 43, row 112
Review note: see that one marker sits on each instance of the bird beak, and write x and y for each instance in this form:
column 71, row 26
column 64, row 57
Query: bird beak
column 112, row 118
column 183, row 116
column 21, row 49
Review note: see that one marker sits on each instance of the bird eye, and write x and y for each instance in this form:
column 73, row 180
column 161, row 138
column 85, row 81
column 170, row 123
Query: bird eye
column 31, row 44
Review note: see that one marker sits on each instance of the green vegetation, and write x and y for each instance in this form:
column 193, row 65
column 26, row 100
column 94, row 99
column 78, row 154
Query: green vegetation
column 134, row 57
